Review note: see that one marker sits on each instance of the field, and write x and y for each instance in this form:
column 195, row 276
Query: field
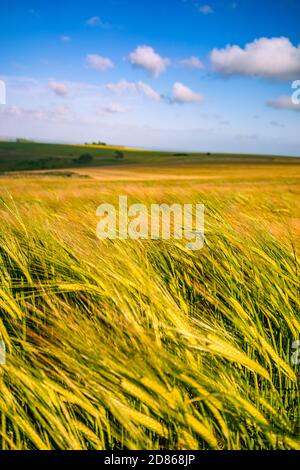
column 123, row 344
column 30, row 156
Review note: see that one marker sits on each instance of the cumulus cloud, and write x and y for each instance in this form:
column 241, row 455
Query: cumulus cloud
column 146, row 58
column 115, row 108
column 121, row 86
column 99, row 63
column 283, row 102
column 60, row 89
column 65, row 38
column 134, row 87
column 183, row 94
column 275, row 58
column 148, row 91
column 193, row 62
column 206, row 9
column 96, row 21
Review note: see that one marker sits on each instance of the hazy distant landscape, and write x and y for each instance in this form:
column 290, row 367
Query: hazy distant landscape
column 31, row 156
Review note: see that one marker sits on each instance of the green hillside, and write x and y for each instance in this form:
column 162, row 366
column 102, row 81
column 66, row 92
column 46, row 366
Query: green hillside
column 19, row 156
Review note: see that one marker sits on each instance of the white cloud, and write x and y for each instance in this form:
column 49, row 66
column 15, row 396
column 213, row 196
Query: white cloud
column 148, row 91
column 134, row 87
column 121, row 86
column 44, row 113
column 275, row 58
column 146, row 58
column 183, row 94
column 65, row 38
column 96, row 22
column 115, row 108
column 206, row 9
column 28, row 90
column 98, row 62
column 60, row 89
column 283, row 102
column 193, row 62
column 93, row 21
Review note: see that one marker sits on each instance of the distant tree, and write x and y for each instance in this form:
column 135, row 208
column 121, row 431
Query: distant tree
column 85, row 158
column 119, row 155
column 96, row 143
column 24, row 141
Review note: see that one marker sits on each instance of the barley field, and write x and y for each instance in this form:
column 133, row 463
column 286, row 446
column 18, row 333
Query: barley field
column 145, row 344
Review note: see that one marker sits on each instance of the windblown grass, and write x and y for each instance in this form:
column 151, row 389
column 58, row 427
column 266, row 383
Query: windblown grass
column 147, row 345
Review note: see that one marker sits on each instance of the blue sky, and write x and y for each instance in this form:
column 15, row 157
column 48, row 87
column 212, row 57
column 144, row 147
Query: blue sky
column 175, row 74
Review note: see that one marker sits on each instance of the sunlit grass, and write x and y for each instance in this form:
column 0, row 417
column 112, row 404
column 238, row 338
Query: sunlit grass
column 147, row 345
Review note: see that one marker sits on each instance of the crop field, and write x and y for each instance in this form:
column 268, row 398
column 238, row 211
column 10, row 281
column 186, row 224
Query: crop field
column 145, row 344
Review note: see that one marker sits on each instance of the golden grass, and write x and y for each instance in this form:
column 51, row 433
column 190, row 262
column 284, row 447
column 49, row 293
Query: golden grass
column 147, row 345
